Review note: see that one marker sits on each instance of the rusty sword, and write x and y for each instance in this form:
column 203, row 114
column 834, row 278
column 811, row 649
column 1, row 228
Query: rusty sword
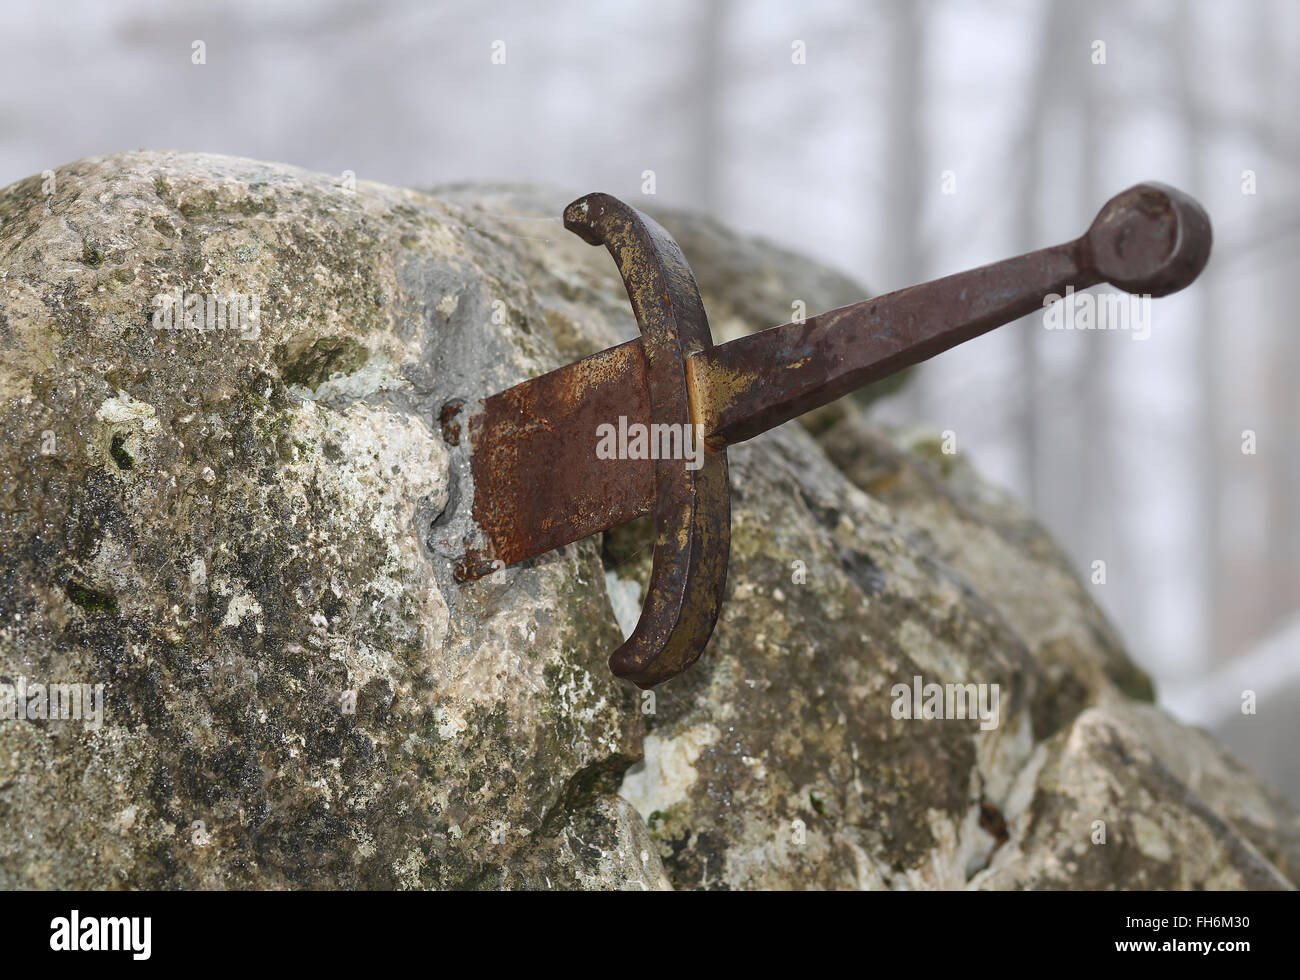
column 540, row 482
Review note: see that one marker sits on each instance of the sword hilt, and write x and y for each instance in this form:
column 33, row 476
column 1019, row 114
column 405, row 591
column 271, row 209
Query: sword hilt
column 1149, row 239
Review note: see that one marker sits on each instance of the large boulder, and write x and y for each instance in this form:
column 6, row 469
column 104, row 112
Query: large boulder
column 240, row 525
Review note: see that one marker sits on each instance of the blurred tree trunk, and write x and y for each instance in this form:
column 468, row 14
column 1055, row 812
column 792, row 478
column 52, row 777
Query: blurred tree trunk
column 1282, row 409
column 905, row 165
column 1185, row 65
column 1097, row 434
column 905, row 154
column 1044, row 86
column 706, row 97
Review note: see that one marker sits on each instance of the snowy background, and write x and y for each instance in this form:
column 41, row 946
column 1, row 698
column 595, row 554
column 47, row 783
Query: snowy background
column 1131, row 451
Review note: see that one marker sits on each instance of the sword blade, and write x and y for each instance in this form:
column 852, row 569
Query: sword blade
column 538, row 483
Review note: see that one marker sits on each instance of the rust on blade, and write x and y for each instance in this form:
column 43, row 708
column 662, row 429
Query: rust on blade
column 534, row 463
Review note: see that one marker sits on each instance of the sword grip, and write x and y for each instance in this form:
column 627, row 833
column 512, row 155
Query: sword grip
column 1150, row 239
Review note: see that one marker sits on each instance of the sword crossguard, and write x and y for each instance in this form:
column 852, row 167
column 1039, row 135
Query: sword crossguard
column 692, row 507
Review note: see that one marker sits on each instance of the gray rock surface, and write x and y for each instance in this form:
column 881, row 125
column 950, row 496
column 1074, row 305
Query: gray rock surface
column 241, row 534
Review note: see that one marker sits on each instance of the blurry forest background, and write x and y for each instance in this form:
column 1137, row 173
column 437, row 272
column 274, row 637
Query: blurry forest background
column 915, row 138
